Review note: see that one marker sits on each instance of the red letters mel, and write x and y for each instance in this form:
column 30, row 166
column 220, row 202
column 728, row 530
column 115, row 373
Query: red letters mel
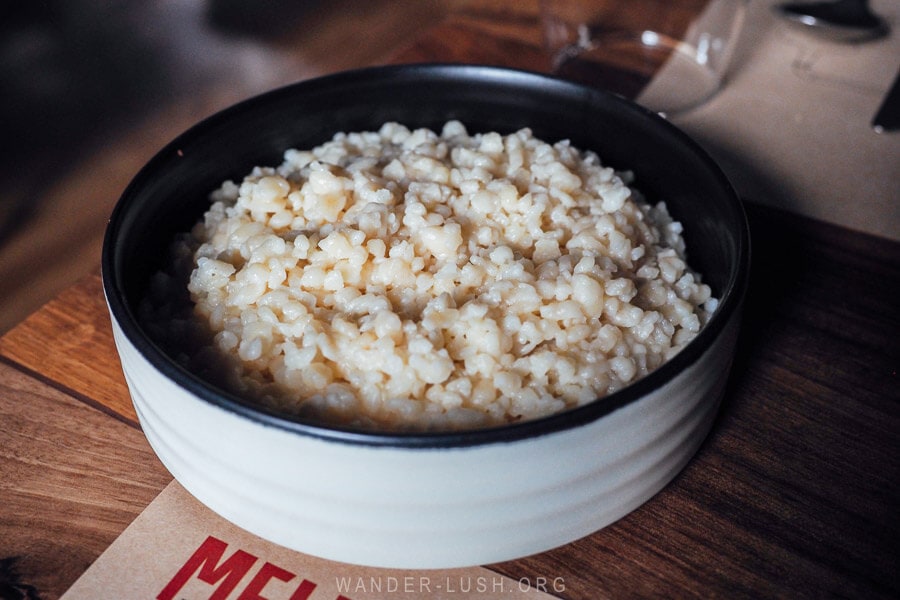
column 208, row 566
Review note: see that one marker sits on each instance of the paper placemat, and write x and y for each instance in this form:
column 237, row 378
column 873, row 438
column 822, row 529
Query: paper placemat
column 792, row 126
column 177, row 549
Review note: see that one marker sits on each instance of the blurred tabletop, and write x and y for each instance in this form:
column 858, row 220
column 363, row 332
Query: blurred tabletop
column 797, row 489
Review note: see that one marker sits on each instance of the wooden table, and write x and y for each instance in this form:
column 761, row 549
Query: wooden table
column 795, row 493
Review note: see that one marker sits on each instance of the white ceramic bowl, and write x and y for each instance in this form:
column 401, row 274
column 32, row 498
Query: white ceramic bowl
column 432, row 500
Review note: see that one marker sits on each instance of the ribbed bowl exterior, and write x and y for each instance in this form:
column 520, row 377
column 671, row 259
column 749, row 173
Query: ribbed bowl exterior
column 428, row 507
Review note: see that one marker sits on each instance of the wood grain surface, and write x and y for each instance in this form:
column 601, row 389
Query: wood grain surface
column 71, row 479
column 69, row 342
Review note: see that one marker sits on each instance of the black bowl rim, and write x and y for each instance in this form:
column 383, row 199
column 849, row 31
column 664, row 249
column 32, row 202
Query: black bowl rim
column 730, row 300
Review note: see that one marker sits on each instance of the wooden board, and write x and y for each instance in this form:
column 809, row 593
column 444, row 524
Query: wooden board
column 69, row 342
column 71, row 479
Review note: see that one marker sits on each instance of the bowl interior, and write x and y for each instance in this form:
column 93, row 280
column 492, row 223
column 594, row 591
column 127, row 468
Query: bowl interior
column 171, row 193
